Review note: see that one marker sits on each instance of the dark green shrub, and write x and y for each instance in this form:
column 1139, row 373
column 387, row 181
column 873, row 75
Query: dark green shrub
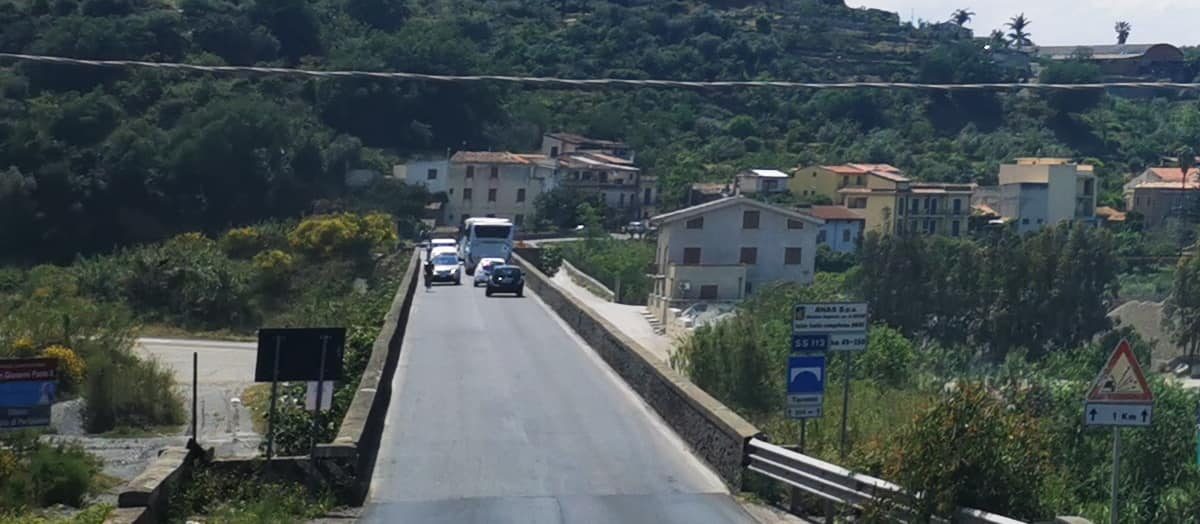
column 36, row 474
column 188, row 279
column 123, row 391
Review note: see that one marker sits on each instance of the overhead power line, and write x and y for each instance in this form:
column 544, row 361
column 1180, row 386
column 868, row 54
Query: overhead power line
column 584, row 82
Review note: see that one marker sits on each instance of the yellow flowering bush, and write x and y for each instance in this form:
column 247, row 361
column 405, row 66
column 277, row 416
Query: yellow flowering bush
column 344, row 233
column 242, row 242
column 23, row 346
column 273, row 267
column 71, row 368
column 192, row 238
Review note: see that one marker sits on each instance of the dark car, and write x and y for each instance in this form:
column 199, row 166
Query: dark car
column 506, row 279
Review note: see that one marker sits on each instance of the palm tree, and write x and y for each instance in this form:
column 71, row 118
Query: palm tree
column 1017, row 33
column 962, row 16
column 1122, row 28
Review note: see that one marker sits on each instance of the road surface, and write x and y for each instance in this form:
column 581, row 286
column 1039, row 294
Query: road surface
column 500, row 414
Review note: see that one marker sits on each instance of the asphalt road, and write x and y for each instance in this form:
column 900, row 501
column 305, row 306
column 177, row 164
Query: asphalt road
column 501, row 414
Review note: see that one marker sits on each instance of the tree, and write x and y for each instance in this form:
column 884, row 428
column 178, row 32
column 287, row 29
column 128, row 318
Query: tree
column 1017, row 34
column 1122, row 28
column 1181, row 312
column 962, row 16
column 1071, row 72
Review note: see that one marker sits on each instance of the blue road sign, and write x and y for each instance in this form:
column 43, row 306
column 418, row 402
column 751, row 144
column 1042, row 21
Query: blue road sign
column 802, row 342
column 806, row 375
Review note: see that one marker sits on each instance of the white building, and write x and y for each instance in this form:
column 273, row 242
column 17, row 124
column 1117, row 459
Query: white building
column 726, row 249
column 495, row 184
column 755, row 181
column 843, row 228
column 1036, row 192
column 432, row 174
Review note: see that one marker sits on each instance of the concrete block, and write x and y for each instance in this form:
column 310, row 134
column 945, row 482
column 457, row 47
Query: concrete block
column 141, row 491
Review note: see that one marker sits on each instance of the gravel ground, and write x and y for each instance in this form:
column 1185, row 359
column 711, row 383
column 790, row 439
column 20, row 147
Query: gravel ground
column 225, row 370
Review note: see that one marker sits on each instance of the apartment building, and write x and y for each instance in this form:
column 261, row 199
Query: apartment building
column 604, row 169
column 843, row 228
column 428, row 173
column 725, row 249
column 1035, row 192
column 495, row 184
column 828, row 180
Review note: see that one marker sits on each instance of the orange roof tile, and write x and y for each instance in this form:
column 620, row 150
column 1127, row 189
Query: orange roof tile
column 487, row 157
column 835, row 213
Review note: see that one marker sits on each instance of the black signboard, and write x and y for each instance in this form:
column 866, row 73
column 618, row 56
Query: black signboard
column 27, row 390
column 299, row 353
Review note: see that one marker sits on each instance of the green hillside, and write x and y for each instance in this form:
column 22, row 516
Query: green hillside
column 95, row 158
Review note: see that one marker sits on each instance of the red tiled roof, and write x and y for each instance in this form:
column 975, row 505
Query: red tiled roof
column 984, row 209
column 487, row 157
column 1172, row 173
column 835, row 213
column 1110, row 214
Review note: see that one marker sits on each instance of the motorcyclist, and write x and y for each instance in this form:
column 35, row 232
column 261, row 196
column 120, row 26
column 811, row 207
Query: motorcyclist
column 428, row 274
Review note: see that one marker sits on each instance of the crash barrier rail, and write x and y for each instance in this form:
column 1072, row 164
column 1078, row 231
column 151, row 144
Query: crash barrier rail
column 596, row 287
column 842, row 486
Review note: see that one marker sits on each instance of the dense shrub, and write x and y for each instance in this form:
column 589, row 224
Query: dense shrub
column 123, row 391
column 614, row 261
column 249, row 496
column 36, row 474
column 242, row 242
column 71, row 368
column 188, row 279
column 344, row 234
column 273, row 267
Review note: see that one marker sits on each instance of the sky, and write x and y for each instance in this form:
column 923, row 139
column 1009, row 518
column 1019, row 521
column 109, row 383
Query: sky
column 1064, row 22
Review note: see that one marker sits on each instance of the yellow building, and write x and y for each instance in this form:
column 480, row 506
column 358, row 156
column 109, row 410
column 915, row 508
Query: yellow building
column 912, row 207
column 827, row 180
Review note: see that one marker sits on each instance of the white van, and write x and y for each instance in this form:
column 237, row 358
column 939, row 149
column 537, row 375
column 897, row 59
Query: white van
column 436, row 243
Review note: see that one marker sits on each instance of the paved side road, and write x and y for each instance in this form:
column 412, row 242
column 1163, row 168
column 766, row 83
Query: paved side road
column 500, row 414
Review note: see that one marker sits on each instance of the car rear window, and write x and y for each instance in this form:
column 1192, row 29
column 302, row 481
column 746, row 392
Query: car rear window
column 445, row 260
column 507, row 272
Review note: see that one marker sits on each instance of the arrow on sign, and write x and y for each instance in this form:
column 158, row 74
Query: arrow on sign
column 1144, row 414
column 1093, row 413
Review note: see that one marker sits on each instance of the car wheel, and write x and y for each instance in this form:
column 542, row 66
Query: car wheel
column 521, row 292
column 488, row 292
column 458, row 281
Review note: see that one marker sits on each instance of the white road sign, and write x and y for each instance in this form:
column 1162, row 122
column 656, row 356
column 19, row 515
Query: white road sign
column 1118, row 414
column 838, row 317
column 805, row 406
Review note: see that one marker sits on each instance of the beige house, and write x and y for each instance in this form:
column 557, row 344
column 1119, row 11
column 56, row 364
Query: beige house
column 726, row 249
column 1160, row 193
column 495, row 184
column 1036, row 192
column 604, row 169
column 760, row 181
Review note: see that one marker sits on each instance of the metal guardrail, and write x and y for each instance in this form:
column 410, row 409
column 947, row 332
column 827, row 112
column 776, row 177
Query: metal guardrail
column 842, row 486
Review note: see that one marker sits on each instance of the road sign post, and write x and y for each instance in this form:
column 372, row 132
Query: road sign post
column 833, row 326
column 1119, row 397
column 295, row 354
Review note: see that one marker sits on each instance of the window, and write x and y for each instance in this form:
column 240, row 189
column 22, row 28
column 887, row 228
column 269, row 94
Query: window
column 858, row 180
column 646, row 197
column 466, row 194
column 954, row 227
column 431, row 174
column 521, row 195
column 708, row 291
column 929, row 226
column 491, row 195
column 495, row 172
column 770, row 185
column 621, row 202
column 845, row 235
column 795, row 224
column 695, row 223
column 603, row 176
column 821, row 236
column 749, row 219
column 519, row 219
column 858, row 203
column 749, row 255
column 933, row 206
column 470, row 171
column 914, row 205
column 957, row 206
column 1025, row 221
column 691, row 255
column 451, row 191
column 554, row 152
column 792, row 256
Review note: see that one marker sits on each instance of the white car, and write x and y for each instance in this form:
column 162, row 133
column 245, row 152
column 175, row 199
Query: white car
column 447, row 269
column 483, row 270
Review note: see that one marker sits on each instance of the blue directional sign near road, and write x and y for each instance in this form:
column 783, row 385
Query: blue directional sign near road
column 806, row 386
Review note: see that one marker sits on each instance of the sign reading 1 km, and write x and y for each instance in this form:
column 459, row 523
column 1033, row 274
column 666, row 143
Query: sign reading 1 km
column 837, row 326
column 1120, row 395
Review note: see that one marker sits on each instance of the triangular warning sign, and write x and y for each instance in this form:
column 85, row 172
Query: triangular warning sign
column 1121, row 380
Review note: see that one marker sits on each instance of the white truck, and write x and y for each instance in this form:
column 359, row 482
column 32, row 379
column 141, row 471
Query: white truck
column 485, row 238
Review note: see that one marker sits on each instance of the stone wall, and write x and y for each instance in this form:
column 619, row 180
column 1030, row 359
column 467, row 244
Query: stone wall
column 357, row 441
column 715, row 433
